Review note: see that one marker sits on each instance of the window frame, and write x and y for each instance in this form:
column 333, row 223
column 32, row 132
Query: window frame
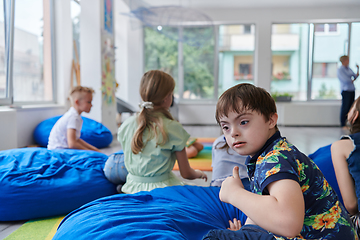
column 9, row 6
column 309, row 58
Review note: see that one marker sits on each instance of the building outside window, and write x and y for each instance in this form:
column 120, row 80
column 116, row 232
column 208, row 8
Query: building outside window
column 326, row 28
column 328, row 48
column 32, row 61
column 305, row 59
column 289, row 47
column 236, row 55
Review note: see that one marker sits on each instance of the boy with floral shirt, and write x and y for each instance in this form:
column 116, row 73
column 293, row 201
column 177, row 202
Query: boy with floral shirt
column 289, row 198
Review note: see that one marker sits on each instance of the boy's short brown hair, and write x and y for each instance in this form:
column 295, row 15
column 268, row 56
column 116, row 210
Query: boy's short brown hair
column 243, row 97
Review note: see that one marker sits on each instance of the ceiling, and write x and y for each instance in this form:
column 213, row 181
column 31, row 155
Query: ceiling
column 251, row 3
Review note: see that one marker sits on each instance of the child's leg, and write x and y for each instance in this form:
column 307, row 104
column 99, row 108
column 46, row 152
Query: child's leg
column 114, row 169
column 198, row 146
column 194, row 149
column 191, row 151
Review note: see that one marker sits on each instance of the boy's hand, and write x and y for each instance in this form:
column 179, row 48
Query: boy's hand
column 229, row 185
column 235, row 225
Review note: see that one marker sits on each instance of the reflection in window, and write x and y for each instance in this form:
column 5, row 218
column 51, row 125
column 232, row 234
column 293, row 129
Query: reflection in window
column 236, row 55
column 32, row 72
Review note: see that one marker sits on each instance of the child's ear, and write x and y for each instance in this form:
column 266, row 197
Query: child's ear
column 273, row 120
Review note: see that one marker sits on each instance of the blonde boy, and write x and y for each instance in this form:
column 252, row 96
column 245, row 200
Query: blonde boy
column 289, row 197
column 66, row 131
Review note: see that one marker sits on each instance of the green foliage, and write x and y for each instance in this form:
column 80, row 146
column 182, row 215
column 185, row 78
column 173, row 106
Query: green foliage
column 276, row 95
column 326, row 94
column 161, row 52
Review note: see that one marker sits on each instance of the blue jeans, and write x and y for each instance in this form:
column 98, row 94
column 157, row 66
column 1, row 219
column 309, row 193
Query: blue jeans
column 114, row 169
column 246, row 232
column 348, row 98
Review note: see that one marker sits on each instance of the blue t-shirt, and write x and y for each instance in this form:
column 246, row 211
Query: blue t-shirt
column 325, row 216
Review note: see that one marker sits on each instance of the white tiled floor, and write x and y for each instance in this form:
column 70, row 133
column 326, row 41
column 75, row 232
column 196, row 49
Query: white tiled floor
column 307, row 140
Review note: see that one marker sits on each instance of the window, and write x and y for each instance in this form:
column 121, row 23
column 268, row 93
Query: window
column 289, row 45
column 245, row 71
column 194, row 72
column 325, row 70
column 161, row 52
column 31, row 63
column 236, row 55
column 319, row 27
column 247, row 29
column 198, row 64
column 326, row 28
column 304, row 63
column 3, row 82
column 75, row 17
column 281, row 67
column 326, row 52
column 354, row 54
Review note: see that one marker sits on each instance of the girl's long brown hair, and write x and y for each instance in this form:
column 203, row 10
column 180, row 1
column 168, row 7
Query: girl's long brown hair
column 154, row 87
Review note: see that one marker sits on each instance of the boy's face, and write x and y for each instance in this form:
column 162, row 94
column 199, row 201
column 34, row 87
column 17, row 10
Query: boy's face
column 247, row 132
column 84, row 103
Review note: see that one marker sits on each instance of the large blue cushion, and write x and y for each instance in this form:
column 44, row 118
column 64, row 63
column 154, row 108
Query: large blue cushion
column 38, row 183
column 92, row 132
column 177, row 212
column 322, row 158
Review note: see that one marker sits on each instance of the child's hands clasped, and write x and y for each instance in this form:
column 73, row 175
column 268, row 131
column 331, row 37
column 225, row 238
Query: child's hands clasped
column 229, row 185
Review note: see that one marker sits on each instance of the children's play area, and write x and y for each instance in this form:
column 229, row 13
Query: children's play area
column 48, row 47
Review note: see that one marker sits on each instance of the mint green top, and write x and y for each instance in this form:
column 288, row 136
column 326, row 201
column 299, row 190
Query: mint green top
column 152, row 167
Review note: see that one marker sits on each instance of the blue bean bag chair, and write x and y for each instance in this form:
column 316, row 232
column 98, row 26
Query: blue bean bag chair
column 92, row 132
column 322, row 158
column 40, row 183
column 177, row 212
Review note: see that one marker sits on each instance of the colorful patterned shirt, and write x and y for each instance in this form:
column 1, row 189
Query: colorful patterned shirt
column 325, row 216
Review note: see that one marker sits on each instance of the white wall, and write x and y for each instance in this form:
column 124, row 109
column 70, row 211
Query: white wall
column 203, row 113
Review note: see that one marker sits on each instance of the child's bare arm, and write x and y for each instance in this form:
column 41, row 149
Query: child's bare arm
column 282, row 212
column 185, row 170
column 340, row 150
column 88, row 145
column 75, row 143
